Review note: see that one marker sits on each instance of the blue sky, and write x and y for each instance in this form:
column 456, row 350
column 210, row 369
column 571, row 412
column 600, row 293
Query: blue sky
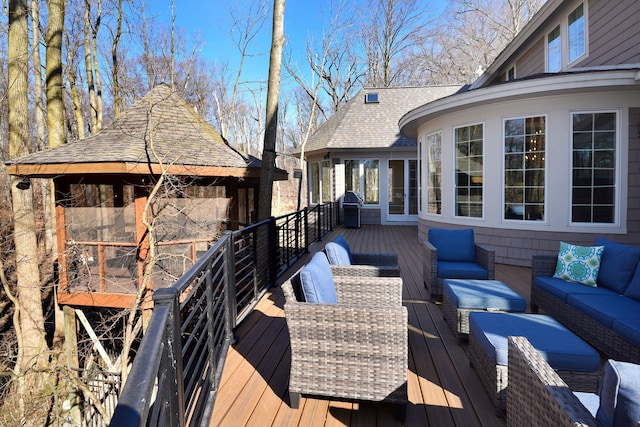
column 211, row 19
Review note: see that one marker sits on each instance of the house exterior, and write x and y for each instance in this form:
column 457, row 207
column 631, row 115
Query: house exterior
column 360, row 149
column 545, row 145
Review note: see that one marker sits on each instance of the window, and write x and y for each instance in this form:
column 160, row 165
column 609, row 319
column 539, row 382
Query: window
column 371, row 98
column 576, row 32
column 554, row 51
column 524, row 176
column 434, row 173
column 593, row 187
column 320, row 182
column 511, row 73
column 469, row 170
column 362, row 176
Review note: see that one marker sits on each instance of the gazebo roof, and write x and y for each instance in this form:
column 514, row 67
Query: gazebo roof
column 160, row 130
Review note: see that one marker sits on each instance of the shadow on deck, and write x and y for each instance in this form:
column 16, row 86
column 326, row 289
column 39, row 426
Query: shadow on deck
column 443, row 389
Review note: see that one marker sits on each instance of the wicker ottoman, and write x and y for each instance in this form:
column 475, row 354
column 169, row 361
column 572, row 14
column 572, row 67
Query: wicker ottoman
column 575, row 361
column 462, row 296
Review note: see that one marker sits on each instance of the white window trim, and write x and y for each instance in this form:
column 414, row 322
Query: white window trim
column 618, row 175
column 484, row 174
column 545, row 220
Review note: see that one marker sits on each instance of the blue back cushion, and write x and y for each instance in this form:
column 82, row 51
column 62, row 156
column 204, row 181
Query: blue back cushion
column 317, row 281
column 337, row 254
column 619, row 394
column 617, row 265
column 633, row 290
column 342, row 242
column 453, row 245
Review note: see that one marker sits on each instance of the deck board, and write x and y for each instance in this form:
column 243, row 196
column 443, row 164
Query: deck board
column 443, row 389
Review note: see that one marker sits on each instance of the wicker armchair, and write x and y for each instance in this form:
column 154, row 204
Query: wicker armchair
column 355, row 349
column 346, row 263
column 536, row 395
column 433, row 279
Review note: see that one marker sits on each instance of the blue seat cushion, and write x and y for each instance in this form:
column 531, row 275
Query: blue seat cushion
column 619, row 394
column 461, row 270
column 317, row 281
column 561, row 289
column 560, row 347
column 453, row 245
column 633, row 289
column 483, row 294
column 628, row 328
column 618, row 264
column 605, row 308
column 337, row 254
column 343, row 242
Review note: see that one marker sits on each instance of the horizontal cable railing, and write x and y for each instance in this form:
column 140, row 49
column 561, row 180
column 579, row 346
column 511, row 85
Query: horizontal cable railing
column 176, row 372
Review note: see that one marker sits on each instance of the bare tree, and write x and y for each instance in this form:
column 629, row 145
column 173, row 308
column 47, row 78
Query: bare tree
column 273, row 93
column 33, row 352
column 392, row 30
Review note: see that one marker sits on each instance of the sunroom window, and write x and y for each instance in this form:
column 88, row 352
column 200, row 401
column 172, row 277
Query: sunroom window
column 593, row 190
column 362, row 176
column 434, row 173
column 524, row 168
column 469, row 170
column 320, row 182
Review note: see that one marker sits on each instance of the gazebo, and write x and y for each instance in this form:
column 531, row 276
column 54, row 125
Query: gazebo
column 158, row 177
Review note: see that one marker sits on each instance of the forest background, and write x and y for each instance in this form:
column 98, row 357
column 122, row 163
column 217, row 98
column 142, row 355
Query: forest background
column 114, row 51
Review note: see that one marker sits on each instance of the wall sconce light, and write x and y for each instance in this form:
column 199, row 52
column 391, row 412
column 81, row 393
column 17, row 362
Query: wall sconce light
column 24, row 183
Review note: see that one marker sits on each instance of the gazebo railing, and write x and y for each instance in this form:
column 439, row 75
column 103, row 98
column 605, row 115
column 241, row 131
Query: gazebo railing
column 176, row 372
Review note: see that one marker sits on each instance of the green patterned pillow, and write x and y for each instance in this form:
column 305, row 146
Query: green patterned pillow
column 579, row 264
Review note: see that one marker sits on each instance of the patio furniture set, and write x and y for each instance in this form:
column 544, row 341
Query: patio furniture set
column 489, row 314
column 348, row 328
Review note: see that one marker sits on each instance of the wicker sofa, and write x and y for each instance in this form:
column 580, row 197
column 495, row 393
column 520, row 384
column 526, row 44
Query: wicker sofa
column 345, row 262
column 356, row 348
column 537, row 396
column 607, row 316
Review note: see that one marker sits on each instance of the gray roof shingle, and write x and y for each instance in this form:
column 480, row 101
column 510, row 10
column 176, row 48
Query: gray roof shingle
column 160, row 119
column 374, row 125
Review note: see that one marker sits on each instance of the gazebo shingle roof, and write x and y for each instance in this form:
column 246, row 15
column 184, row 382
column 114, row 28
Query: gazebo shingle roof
column 160, row 122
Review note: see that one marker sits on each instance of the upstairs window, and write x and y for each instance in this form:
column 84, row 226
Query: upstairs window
column 554, row 51
column 577, row 42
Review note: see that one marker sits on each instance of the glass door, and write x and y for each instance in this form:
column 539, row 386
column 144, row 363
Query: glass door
column 403, row 189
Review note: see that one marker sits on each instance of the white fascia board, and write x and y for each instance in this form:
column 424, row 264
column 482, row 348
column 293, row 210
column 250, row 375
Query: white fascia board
column 532, row 88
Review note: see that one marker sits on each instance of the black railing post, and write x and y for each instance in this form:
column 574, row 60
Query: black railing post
column 273, row 251
column 172, row 365
column 230, row 283
column 306, row 229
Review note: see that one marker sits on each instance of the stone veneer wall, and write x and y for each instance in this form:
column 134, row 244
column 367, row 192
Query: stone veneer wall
column 516, row 247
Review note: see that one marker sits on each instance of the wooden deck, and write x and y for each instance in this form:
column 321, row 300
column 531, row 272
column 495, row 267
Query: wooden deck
column 443, row 389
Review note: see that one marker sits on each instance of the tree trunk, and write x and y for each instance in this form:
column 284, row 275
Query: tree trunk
column 93, row 109
column 33, row 353
column 96, row 68
column 114, row 59
column 271, row 129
